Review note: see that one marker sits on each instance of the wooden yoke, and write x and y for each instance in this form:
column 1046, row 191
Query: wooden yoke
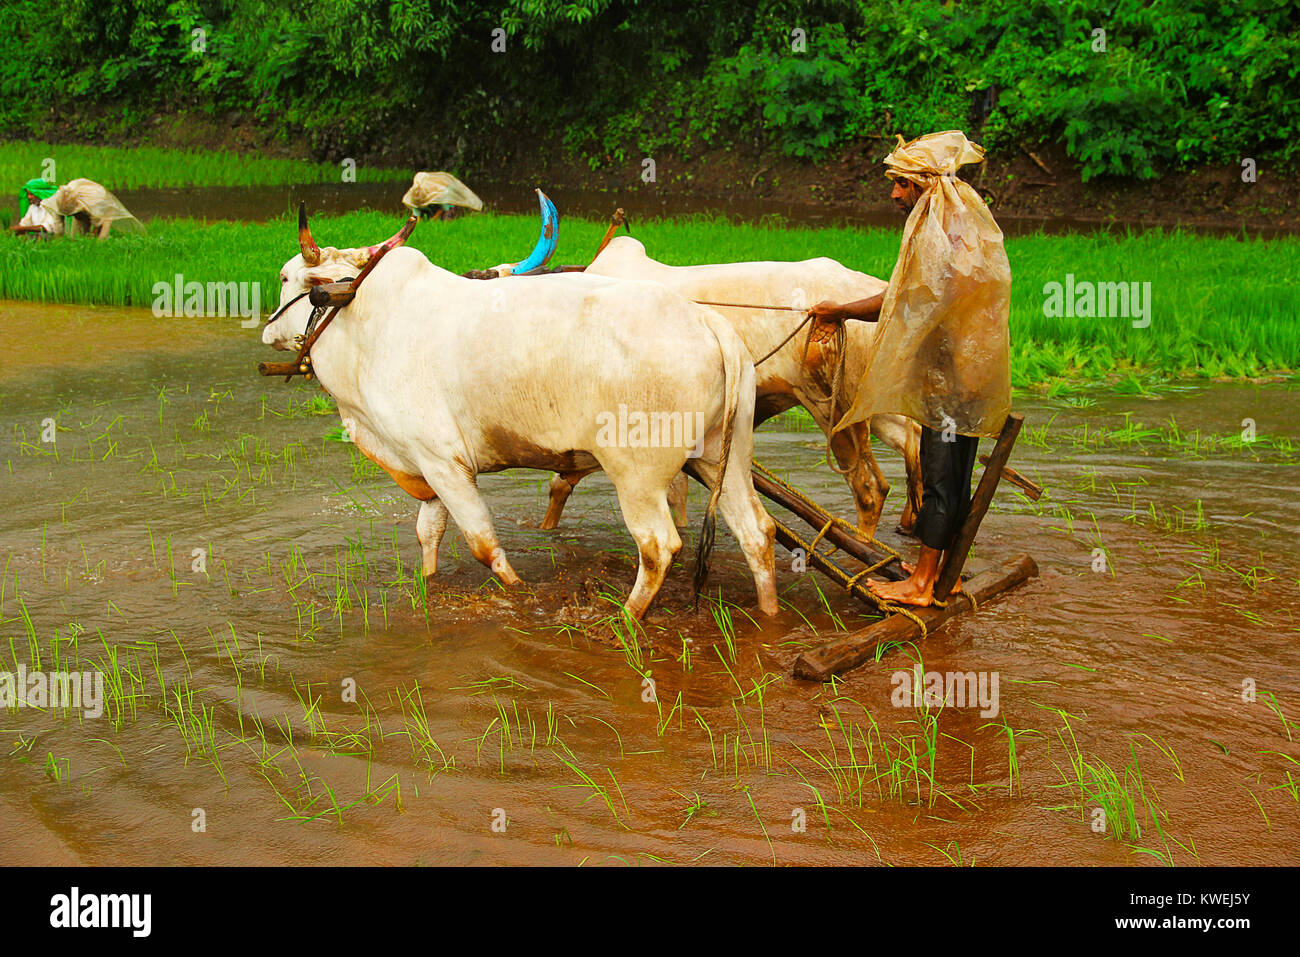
column 332, row 293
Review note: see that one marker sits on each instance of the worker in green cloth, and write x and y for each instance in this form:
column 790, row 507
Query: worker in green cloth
column 32, row 216
column 34, row 190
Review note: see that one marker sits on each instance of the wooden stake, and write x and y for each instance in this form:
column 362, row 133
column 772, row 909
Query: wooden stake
column 848, row 651
column 988, row 484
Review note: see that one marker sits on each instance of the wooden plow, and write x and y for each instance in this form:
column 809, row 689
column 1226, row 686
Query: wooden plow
column 901, row 623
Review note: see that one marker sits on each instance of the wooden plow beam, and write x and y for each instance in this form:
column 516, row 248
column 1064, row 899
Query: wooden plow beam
column 883, row 563
column 848, row 651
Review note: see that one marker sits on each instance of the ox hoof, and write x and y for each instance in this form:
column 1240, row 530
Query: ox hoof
column 507, row 576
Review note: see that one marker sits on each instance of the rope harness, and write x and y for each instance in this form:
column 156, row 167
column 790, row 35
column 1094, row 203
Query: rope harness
column 850, row 583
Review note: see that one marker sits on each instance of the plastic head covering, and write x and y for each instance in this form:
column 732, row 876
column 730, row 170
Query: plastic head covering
column 941, row 351
column 935, row 154
column 41, row 189
column 87, row 196
column 430, row 189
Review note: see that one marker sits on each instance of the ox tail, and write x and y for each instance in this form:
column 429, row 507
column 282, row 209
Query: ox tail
column 731, row 370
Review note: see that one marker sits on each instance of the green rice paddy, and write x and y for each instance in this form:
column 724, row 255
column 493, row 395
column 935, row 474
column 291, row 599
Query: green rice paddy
column 137, row 166
column 1220, row 308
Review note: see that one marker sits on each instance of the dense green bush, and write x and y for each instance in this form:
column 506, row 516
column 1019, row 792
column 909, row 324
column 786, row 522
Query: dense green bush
column 1179, row 82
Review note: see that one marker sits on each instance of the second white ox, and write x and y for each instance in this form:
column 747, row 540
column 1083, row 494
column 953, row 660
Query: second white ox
column 439, row 378
column 789, row 377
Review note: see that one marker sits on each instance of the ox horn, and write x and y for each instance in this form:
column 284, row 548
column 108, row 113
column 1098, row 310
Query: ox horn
column 310, row 251
column 399, row 239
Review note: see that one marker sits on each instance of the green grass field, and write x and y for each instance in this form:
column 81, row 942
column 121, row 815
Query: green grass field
column 1220, row 307
column 132, row 167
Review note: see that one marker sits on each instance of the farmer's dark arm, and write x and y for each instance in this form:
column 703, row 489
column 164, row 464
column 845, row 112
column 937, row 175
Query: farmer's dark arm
column 864, row 310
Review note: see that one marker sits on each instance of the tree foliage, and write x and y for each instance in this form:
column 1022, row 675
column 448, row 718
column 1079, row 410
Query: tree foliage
column 1175, row 82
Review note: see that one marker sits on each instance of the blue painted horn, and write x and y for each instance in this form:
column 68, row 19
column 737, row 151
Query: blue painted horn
column 546, row 242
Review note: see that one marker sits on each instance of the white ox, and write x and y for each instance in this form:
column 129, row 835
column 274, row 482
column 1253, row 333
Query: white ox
column 439, row 378
column 785, row 379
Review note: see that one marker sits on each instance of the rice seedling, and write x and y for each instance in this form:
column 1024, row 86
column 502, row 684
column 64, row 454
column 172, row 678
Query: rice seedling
column 1013, row 755
column 311, row 713
column 1270, row 700
column 665, row 720
column 862, row 756
column 696, row 807
column 721, row 613
column 749, row 794
column 588, row 783
column 1121, row 803
column 195, row 724
column 58, row 770
column 686, row 658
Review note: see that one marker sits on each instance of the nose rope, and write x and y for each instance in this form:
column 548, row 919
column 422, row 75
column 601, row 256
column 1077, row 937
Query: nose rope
column 276, row 315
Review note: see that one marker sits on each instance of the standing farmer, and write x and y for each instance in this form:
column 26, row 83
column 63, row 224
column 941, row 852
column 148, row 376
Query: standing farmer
column 941, row 356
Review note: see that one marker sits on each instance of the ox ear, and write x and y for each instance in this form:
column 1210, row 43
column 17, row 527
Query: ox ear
column 310, row 251
column 357, row 257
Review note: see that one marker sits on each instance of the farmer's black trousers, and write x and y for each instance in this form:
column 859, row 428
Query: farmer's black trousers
column 946, row 469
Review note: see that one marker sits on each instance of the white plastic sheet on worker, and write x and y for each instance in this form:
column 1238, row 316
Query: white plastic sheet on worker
column 87, row 196
column 429, row 189
column 941, row 352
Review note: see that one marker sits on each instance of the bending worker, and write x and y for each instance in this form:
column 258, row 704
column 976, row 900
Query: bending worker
column 940, row 355
column 89, row 207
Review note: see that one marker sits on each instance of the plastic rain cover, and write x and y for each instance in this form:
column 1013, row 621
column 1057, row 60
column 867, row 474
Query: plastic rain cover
column 940, row 355
column 87, row 196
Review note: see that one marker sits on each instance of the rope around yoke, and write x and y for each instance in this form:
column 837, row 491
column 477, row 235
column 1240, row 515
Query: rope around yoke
column 825, row 515
column 852, row 586
column 852, row 583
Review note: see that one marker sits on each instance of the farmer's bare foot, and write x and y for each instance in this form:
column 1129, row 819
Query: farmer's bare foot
column 907, row 592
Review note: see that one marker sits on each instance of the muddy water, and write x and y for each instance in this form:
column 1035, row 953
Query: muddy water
column 260, row 203
column 192, row 530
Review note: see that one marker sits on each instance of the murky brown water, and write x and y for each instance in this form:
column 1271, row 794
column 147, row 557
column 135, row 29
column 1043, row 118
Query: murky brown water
column 483, row 704
column 260, row 203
